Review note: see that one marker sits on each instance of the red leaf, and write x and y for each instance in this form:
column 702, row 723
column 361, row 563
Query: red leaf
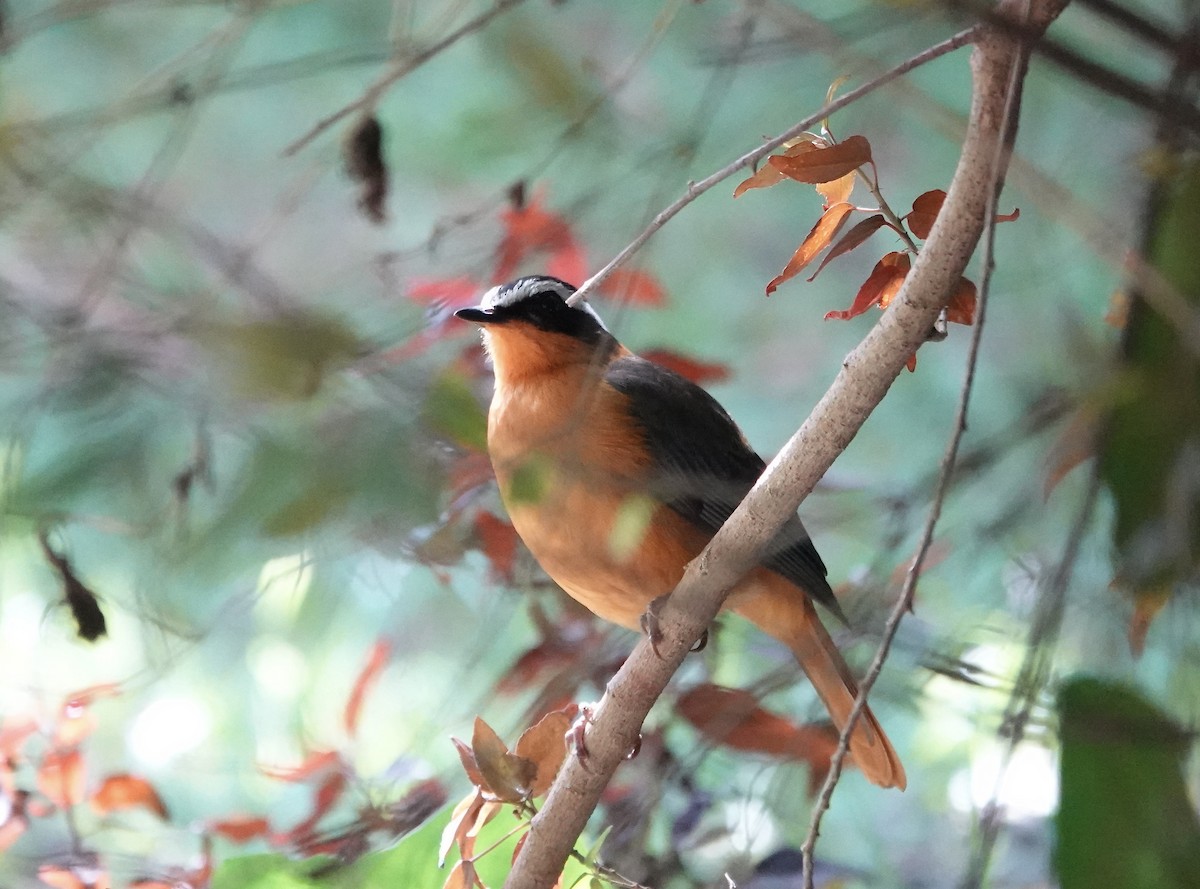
column 498, row 541
column 328, row 793
column 568, row 263
column 61, row 778
column 858, row 233
column 460, row 291
column 924, row 211
column 633, row 286
column 241, row 828
column 734, row 718
column 376, row 660
column 961, row 309
column 818, row 239
column 530, row 228
column 825, row 164
column 689, row 368
column 313, row 764
column 879, row 288
column 124, row 791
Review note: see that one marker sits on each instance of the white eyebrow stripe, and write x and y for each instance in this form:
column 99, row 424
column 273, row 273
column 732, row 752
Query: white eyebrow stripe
column 504, row 295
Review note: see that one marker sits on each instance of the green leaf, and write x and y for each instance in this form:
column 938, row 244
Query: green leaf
column 452, row 410
column 1151, row 444
column 1124, row 819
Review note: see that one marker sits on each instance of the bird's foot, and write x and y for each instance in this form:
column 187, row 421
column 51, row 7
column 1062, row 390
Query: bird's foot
column 649, row 624
column 577, row 735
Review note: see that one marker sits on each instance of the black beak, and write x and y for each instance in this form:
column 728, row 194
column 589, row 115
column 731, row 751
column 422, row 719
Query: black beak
column 478, row 314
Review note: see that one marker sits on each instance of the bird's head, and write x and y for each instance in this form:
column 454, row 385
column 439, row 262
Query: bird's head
column 528, row 326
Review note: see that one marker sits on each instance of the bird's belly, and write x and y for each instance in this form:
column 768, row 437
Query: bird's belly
column 611, row 550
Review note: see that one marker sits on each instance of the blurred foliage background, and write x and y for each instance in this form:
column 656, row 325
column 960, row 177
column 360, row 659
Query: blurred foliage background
column 224, row 400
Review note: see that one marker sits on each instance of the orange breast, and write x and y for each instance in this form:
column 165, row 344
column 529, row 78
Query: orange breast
column 572, row 475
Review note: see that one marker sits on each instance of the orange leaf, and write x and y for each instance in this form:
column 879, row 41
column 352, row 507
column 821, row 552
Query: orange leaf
column 1146, row 606
column 507, row 776
column 734, row 718
column 376, row 660
column 60, row 777
column 498, row 541
column 961, row 309
column 924, row 211
column 818, row 239
column 314, row 763
column 633, row 286
column 767, row 175
column 124, row 791
column 688, row 368
column 838, row 190
column 879, row 288
column 545, row 744
column 858, row 233
column 825, row 164
column 241, row 828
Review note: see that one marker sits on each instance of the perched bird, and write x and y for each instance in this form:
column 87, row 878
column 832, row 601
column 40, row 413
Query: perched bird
column 616, row 472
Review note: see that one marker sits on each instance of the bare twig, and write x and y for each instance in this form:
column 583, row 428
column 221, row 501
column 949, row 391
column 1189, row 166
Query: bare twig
column 1033, row 674
column 695, row 189
column 1003, row 152
column 865, row 377
column 399, row 69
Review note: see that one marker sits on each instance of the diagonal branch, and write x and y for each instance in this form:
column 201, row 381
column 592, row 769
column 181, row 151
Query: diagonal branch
column 867, row 374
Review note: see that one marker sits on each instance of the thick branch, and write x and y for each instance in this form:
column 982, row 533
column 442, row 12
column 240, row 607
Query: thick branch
column 866, row 375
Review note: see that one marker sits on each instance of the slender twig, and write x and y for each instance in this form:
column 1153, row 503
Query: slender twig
column 399, row 69
column 695, row 189
column 894, row 222
column 946, row 472
column 1032, row 676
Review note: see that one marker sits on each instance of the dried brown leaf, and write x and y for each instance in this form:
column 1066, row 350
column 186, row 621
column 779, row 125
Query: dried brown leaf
column 818, row 239
column 506, row 776
column 824, row 164
column 545, row 745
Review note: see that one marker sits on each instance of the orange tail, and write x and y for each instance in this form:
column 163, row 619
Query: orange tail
column 778, row 609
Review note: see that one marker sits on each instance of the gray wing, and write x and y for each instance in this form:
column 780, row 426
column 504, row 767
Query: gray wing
column 704, row 467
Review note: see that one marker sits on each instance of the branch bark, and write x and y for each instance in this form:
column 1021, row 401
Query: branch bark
column 867, row 374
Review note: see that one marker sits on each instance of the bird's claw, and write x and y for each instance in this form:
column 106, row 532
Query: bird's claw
column 577, row 735
column 649, row 623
